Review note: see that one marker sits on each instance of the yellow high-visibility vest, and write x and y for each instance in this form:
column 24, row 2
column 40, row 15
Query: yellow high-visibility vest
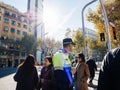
column 61, row 59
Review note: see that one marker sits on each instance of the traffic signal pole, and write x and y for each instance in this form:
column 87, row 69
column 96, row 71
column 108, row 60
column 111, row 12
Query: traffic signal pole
column 83, row 26
column 106, row 25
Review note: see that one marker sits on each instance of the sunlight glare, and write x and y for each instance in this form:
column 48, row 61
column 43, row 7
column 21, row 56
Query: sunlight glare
column 50, row 17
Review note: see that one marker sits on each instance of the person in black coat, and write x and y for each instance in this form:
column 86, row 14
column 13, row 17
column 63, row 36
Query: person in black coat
column 92, row 68
column 46, row 77
column 109, row 77
column 26, row 76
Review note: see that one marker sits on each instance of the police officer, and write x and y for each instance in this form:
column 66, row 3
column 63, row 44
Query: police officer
column 62, row 66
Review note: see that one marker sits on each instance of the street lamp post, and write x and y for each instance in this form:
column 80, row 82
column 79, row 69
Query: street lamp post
column 106, row 24
column 43, row 44
column 83, row 26
column 35, row 34
column 42, row 38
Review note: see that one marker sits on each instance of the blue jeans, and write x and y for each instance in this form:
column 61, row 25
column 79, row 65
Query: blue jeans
column 75, row 86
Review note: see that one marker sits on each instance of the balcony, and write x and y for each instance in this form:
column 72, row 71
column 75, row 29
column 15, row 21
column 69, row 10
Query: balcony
column 6, row 28
column 7, row 14
column 25, row 26
column 13, row 22
column 6, row 20
column 12, row 30
column 11, row 45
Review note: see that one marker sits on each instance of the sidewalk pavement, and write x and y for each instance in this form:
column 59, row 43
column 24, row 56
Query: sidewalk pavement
column 7, row 82
column 7, row 71
column 95, row 81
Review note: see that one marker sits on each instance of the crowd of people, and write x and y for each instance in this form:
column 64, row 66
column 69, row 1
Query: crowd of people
column 59, row 73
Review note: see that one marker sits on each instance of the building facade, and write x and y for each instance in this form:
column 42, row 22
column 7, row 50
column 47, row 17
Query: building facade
column 92, row 34
column 14, row 25
column 35, row 12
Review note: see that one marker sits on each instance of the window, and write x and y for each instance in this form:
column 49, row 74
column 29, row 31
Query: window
column 6, row 28
column 18, row 32
column 18, row 39
column 6, row 20
column 29, row 30
column 19, row 18
column 4, row 37
column 25, row 26
column 17, row 53
column 25, row 20
column 23, row 54
column 24, row 33
column 12, row 30
column 7, row 13
column 19, row 25
column 13, row 15
column 0, row 18
column 12, row 22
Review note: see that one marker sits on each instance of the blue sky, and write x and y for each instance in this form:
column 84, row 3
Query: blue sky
column 59, row 14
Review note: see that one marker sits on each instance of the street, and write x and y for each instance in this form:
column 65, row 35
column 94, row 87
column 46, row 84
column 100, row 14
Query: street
column 7, row 82
column 95, row 82
column 59, row 37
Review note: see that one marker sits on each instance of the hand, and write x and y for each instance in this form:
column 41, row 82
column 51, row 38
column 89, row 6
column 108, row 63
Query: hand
column 42, row 80
column 73, row 70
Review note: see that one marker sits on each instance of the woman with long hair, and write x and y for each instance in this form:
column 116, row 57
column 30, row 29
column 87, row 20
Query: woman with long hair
column 27, row 76
column 82, row 73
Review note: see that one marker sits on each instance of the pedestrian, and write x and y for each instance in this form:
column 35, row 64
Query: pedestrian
column 46, row 77
column 92, row 68
column 75, row 65
column 62, row 65
column 26, row 75
column 109, row 77
column 82, row 73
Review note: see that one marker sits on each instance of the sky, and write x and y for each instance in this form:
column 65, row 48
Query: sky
column 58, row 15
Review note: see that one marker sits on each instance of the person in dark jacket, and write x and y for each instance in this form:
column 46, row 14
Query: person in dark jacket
column 109, row 77
column 92, row 68
column 46, row 77
column 26, row 76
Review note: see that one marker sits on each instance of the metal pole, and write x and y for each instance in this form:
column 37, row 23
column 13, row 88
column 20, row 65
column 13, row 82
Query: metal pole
column 107, row 25
column 43, row 41
column 36, row 16
column 83, row 26
column 41, row 45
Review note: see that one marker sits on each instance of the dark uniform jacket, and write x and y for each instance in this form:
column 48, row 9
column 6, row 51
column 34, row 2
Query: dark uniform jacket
column 109, row 77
